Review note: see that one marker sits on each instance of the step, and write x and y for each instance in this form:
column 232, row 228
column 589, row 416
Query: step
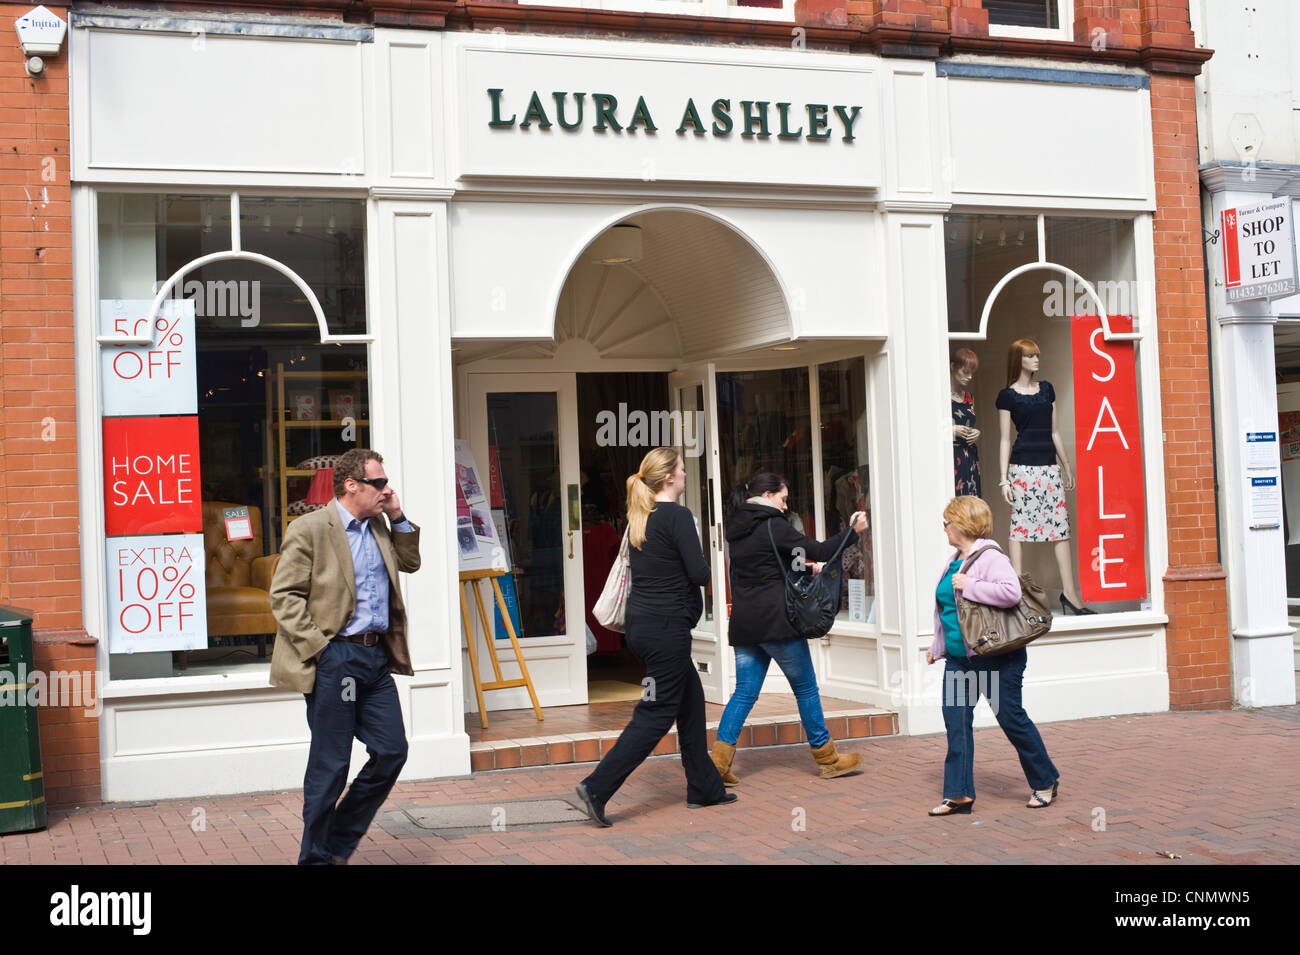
column 843, row 724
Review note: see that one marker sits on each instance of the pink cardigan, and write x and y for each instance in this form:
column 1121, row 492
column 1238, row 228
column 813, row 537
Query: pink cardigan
column 989, row 580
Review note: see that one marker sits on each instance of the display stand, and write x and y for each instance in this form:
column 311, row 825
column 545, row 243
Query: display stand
column 469, row 581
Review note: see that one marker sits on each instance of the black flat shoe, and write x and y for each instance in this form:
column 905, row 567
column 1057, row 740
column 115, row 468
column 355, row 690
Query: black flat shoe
column 595, row 808
column 727, row 797
column 1067, row 607
column 952, row 808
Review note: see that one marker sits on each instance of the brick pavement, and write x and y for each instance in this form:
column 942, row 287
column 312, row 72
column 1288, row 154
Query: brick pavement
column 1213, row 787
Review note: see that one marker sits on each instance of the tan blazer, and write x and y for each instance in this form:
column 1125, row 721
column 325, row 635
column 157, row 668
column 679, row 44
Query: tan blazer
column 313, row 593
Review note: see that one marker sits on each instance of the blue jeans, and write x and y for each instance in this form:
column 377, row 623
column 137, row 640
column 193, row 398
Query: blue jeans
column 795, row 661
column 354, row 696
column 1000, row 679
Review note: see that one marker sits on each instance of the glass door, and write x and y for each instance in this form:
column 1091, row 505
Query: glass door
column 692, row 390
column 524, row 430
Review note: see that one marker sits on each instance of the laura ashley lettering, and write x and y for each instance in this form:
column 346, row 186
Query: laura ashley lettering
column 759, row 119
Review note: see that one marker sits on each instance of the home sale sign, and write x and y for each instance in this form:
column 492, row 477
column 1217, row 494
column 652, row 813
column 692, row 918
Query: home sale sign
column 1110, row 495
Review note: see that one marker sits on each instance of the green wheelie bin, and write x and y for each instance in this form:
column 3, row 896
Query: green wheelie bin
column 22, row 788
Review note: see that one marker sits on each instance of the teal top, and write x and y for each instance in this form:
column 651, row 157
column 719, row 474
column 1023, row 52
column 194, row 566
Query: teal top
column 953, row 644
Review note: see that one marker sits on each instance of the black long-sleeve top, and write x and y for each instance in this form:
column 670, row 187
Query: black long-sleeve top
column 669, row 568
column 757, row 574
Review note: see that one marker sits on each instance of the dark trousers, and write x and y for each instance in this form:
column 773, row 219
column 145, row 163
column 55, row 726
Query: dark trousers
column 672, row 693
column 354, row 696
column 1000, row 679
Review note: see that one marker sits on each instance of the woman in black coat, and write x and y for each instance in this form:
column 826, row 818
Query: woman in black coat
column 759, row 631
column 667, row 568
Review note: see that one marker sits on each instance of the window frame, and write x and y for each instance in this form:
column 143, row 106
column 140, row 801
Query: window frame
column 1065, row 32
column 87, row 259
column 691, row 8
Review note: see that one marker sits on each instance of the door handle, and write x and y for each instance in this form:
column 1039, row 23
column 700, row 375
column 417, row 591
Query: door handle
column 570, row 545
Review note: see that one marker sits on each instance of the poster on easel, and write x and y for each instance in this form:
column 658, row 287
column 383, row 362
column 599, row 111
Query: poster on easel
column 478, row 543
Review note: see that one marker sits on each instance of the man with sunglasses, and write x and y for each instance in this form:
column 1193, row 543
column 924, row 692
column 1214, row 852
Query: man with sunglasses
column 341, row 636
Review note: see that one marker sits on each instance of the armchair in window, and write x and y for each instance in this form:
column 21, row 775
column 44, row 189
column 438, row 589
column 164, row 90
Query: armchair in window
column 238, row 578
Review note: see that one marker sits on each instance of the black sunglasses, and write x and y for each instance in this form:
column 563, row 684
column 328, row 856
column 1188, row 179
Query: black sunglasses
column 377, row 483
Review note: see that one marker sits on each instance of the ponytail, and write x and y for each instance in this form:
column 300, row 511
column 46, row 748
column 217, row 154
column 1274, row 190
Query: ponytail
column 656, row 468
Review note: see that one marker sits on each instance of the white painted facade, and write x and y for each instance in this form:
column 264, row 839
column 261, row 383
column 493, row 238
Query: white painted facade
column 842, row 243
column 1249, row 132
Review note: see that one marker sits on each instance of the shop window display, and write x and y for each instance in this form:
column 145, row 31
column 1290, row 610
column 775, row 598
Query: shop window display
column 262, row 412
column 1031, row 430
column 765, row 423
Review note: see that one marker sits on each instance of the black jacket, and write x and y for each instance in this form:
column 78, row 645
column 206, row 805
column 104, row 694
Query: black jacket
column 757, row 590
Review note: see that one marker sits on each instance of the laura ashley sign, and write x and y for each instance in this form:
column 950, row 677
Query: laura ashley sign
column 566, row 114
column 722, row 117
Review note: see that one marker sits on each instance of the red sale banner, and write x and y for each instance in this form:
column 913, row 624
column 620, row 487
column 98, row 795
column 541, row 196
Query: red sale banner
column 1231, row 262
column 1110, row 492
column 151, row 475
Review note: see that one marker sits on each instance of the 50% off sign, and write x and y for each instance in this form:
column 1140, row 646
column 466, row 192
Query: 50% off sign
column 138, row 380
column 157, row 599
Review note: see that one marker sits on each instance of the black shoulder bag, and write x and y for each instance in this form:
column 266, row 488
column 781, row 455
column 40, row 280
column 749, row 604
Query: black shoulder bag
column 812, row 600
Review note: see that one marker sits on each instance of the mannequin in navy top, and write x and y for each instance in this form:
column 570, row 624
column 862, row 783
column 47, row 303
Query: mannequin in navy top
column 1038, row 444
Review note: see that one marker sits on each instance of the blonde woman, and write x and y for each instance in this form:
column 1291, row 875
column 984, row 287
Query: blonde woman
column 668, row 569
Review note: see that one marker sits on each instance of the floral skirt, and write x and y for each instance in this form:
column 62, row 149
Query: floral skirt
column 1038, row 511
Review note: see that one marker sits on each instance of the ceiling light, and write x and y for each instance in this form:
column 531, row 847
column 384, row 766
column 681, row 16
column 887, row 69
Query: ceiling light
column 785, row 348
column 619, row 245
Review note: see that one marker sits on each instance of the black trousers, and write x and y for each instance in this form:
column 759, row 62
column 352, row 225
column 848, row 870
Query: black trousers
column 673, row 693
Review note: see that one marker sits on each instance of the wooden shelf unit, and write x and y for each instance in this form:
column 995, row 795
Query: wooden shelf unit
column 282, row 425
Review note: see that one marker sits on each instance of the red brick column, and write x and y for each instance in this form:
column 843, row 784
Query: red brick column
column 40, row 564
column 1198, row 639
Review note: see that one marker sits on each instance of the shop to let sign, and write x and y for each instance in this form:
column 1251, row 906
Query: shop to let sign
column 1111, row 496
column 1258, row 250
column 151, row 476
column 156, row 597
column 142, row 380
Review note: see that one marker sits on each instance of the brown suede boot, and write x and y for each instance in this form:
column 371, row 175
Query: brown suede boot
column 722, row 755
column 832, row 763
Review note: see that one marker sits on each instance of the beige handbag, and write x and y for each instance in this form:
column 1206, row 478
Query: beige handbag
column 611, row 608
column 992, row 631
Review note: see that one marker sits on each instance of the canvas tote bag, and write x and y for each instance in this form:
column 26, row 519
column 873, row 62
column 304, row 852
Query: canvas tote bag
column 611, row 608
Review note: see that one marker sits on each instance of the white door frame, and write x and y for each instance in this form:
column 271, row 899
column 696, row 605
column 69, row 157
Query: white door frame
column 708, row 637
column 557, row 664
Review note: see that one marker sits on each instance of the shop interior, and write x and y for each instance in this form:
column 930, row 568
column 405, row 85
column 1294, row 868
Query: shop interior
column 1286, row 344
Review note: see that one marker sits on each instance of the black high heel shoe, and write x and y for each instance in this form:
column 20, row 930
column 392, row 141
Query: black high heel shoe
column 1067, row 607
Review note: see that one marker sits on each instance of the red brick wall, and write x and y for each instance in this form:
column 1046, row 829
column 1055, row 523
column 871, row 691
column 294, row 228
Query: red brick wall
column 40, row 566
column 1198, row 639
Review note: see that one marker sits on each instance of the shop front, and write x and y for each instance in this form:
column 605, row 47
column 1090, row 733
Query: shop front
column 514, row 264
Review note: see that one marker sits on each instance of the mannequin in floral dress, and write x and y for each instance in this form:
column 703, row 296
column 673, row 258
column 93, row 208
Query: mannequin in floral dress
column 965, row 451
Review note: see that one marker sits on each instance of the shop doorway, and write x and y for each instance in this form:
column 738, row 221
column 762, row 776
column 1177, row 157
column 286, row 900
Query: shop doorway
column 645, row 312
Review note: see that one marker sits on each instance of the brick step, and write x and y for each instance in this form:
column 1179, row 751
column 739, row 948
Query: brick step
column 850, row 724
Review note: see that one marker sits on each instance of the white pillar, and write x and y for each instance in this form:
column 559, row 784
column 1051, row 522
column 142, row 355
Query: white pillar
column 1245, row 393
column 920, row 479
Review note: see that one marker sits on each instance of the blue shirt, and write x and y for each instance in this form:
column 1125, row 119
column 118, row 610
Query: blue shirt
column 953, row 644
column 369, row 573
